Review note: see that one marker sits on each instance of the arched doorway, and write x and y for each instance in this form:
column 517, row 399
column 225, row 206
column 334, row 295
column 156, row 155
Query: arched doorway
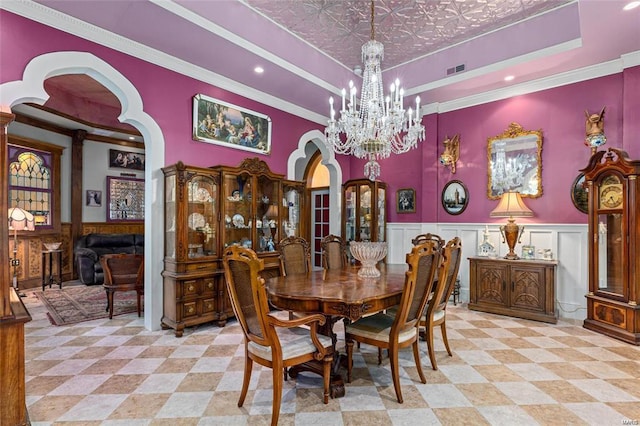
column 31, row 89
column 310, row 145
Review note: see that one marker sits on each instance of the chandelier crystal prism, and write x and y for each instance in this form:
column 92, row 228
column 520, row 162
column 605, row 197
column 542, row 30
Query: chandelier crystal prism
column 380, row 126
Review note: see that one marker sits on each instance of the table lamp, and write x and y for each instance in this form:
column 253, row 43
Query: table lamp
column 19, row 220
column 511, row 205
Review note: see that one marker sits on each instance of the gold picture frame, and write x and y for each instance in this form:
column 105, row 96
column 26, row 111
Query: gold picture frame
column 515, row 162
column 406, row 200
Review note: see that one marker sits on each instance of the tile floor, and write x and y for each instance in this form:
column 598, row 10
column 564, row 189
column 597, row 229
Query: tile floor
column 504, row 371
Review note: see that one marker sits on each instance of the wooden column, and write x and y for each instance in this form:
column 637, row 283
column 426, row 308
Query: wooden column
column 5, row 311
column 77, row 148
column 13, row 314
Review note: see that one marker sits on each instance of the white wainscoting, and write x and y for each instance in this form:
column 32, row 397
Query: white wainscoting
column 567, row 242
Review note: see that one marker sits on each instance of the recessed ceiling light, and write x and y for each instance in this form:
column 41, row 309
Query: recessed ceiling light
column 258, row 70
column 509, row 78
column 631, row 5
column 132, row 138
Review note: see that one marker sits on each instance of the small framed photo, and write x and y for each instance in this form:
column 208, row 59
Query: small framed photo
column 93, row 198
column 528, row 252
column 579, row 194
column 455, row 197
column 406, row 200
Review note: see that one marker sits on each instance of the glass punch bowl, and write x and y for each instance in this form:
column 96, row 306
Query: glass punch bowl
column 369, row 254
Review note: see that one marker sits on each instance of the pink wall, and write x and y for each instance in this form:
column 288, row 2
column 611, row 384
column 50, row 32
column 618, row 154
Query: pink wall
column 559, row 112
column 167, row 96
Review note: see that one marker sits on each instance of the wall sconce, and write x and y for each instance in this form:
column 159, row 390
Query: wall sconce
column 595, row 131
column 511, row 205
column 451, row 152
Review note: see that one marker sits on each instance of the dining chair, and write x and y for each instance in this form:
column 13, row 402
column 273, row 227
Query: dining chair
column 266, row 340
column 400, row 331
column 334, row 252
column 436, row 308
column 123, row 272
column 295, row 256
column 419, row 239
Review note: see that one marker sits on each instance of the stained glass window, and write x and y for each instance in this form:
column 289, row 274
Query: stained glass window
column 30, row 182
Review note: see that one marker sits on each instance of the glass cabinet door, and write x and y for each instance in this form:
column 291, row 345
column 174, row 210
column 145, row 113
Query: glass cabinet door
column 201, row 217
column 170, row 217
column 237, row 209
column 365, row 213
column 267, row 214
column 610, row 253
column 350, row 213
column 382, row 214
column 291, row 210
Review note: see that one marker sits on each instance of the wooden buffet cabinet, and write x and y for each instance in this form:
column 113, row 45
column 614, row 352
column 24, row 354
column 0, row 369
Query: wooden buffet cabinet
column 207, row 209
column 613, row 301
column 519, row 288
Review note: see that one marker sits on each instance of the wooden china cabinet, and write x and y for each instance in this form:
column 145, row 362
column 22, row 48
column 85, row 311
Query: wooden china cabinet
column 207, row 209
column 258, row 209
column 614, row 245
column 364, row 216
column 194, row 291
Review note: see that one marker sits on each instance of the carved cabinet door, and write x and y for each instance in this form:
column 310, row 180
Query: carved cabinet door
column 527, row 288
column 492, row 284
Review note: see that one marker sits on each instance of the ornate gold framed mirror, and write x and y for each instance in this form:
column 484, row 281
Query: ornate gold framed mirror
column 515, row 162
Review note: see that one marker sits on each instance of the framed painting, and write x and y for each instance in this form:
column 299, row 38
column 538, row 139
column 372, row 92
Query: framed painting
column 515, row 162
column 406, row 200
column 126, row 159
column 222, row 123
column 455, row 197
column 125, row 199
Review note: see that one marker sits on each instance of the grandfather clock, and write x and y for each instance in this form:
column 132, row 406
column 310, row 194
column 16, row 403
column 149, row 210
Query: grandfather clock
column 614, row 245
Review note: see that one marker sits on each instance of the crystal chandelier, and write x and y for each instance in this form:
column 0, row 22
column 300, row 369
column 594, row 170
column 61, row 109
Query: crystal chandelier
column 380, row 126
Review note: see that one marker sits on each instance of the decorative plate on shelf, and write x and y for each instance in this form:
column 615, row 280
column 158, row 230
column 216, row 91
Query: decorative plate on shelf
column 203, row 195
column 238, row 221
column 195, row 221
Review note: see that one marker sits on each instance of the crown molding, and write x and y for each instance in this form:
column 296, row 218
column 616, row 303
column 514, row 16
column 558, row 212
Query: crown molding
column 60, row 21
column 587, row 73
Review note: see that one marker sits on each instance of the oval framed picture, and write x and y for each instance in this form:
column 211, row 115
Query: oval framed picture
column 579, row 194
column 455, row 197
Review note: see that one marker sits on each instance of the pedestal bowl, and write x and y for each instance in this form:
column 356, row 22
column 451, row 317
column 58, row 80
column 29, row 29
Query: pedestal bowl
column 369, row 254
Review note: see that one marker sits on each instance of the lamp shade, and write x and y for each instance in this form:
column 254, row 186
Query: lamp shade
column 21, row 220
column 272, row 212
column 511, row 205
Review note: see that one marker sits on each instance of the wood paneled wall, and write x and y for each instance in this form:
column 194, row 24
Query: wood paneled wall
column 30, row 250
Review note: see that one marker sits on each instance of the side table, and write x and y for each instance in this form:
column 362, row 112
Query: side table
column 47, row 259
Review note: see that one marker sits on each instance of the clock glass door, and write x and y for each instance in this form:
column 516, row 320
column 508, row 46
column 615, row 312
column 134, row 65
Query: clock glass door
column 610, row 253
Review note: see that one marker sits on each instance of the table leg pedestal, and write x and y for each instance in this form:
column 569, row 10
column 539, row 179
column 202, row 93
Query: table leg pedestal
column 48, row 277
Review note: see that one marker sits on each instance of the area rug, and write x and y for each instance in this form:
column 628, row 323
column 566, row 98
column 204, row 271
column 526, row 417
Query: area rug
column 74, row 304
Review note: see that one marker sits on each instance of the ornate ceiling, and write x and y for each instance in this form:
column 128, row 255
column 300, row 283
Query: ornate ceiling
column 409, row 29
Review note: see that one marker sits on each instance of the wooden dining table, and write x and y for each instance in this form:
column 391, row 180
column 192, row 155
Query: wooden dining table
column 336, row 294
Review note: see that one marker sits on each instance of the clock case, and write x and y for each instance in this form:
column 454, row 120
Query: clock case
column 614, row 245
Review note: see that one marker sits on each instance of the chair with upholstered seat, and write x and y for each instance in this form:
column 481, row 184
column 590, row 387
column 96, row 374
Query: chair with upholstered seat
column 295, row 256
column 262, row 330
column 334, row 252
column 123, row 272
column 436, row 308
column 394, row 333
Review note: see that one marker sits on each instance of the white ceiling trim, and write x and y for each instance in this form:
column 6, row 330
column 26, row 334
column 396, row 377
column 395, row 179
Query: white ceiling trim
column 587, row 73
column 77, row 27
column 217, row 30
column 498, row 66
